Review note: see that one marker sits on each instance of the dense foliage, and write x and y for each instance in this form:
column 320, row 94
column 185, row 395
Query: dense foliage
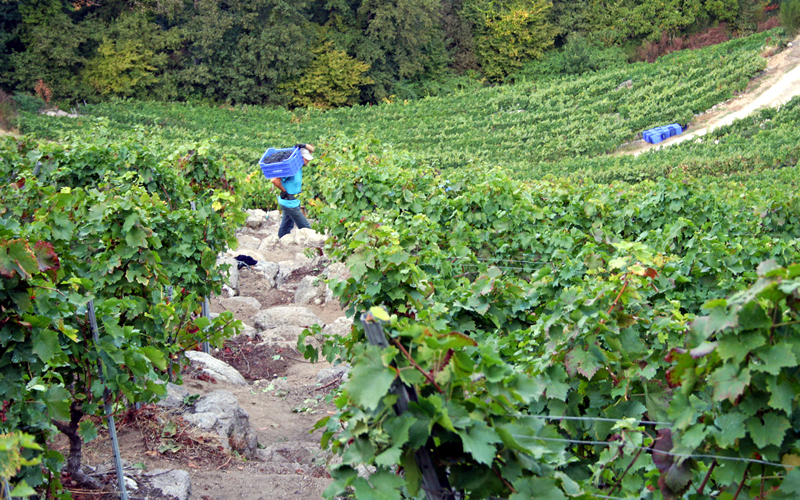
column 554, row 333
column 531, row 129
column 107, row 221
column 262, row 51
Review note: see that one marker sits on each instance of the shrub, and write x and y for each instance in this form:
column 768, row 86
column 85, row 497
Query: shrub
column 770, row 23
column 578, row 56
column 8, row 111
column 650, row 51
column 29, row 103
column 790, row 16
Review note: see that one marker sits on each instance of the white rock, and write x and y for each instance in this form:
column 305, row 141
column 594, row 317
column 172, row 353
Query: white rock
column 286, row 315
column 328, row 375
column 232, row 273
column 341, row 327
column 302, row 259
column 287, row 267
column 307, row 237
column 287, row 240
column 256, row 218
column 216, row 368
column 232, row 423
column 172, row 483
column 247, row 242
column 130, row 484
column 247, row 305
column 281, row 334
column 268, row 243
column 268, row 269
column 309, row 289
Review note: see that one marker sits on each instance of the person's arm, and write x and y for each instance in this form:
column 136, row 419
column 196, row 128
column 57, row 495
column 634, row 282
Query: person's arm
column 276, row 181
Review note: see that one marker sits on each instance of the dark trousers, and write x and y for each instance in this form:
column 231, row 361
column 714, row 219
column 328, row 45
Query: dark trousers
column 291, row 217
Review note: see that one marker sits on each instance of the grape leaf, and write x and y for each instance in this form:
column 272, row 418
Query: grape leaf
column 782, row 395
column 478, row 441
column 730, row 427
column 46, row 345
column 540, row 488
column 370, row 379
column 775, row 358
column 770, row 429
column 729, row 382
column 17, row 258
column 580, row 361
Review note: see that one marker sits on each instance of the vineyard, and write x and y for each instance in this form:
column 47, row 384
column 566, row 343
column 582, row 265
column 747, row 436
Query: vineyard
column 528, row 128
column 572, row 325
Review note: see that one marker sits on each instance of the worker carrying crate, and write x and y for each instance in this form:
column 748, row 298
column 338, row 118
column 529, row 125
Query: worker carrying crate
column 284, row 168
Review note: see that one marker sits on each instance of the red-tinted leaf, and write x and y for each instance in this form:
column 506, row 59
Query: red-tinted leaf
column 46, row 256
column 663, row 444
column 16, row 257
column 652, row 273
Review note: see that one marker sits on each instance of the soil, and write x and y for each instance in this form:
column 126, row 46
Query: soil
column 282, row 399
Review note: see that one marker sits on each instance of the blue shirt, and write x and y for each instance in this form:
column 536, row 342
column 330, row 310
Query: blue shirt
column 293, row 185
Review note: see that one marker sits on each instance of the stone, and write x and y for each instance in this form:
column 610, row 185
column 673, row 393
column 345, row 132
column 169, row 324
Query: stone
column 341, row 327
column 232, row 272
column 219, row 412
column 287, row 240
column 337, row 271
column 256, row 218
column 328, row 375
column 247, row 305
column 307, row 237
column 291, row 452
column 218, row 369
column 627, row 84
column 176, row 395
column 302, row 259
column 287, row 267
column 268, row 243
column 247, row 242
column 280, row 334
column 171, row 482
column 130, row 484
column 286, row 315
column 309, row 289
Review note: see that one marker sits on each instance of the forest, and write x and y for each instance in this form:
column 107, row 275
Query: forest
column 332, row 53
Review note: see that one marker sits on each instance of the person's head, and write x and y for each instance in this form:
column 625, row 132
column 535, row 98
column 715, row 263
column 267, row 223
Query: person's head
column 306, row 154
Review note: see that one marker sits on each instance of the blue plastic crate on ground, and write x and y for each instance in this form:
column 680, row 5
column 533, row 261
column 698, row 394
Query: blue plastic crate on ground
column 658, row 134
column 284, row 168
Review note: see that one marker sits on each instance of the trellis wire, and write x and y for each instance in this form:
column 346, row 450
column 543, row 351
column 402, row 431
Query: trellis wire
column 112, row 430
column 645, row 448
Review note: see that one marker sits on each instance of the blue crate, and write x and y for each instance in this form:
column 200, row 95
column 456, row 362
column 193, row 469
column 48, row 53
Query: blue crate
column 285, row 168
column 658, row 134
column 675, row 129
column 655, row 135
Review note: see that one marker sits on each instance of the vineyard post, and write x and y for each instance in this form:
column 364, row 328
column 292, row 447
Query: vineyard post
column 206, row 313
column 169, row 339
column 434, row 490
column 6, row 491
column 112, row 430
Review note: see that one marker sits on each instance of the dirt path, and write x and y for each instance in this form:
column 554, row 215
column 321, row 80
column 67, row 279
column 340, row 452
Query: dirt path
column 775, row 86
column 282, row 397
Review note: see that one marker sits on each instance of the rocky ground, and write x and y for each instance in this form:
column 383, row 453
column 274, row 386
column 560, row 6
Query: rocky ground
column 239, row 426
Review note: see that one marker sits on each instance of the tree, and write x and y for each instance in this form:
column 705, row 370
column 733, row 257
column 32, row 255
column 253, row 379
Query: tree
column 508, row 34
column 55, row 49
column 332, row 80
column 130, row 57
